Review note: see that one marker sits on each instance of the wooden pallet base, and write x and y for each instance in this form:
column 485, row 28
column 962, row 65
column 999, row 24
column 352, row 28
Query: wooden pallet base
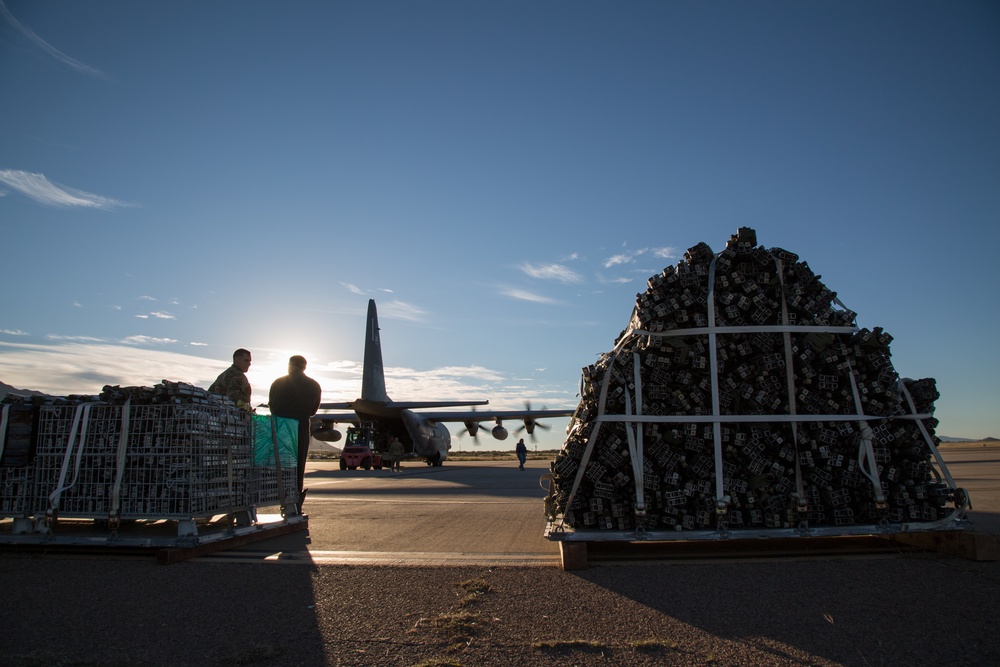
column 159, row 539
column 968, row 544
column 580, row 554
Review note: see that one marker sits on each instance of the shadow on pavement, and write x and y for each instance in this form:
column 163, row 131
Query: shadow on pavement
column 892, row 611
column 117, row 612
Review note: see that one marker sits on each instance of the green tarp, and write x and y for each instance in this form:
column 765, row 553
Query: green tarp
column 287, row 434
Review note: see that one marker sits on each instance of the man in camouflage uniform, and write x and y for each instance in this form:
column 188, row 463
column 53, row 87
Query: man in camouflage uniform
column 233, row 381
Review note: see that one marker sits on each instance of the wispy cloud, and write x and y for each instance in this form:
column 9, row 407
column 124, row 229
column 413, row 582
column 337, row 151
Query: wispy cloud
column 615, row 260
column 666, row 252
column 75, row 339
column 48, row 48
column 629, row 256
column 399, row 310
column 14, row 332
column 147, row 340
column 558, row 272
column 194, row 344
column 524, row 295
column 44, row 191
column 353, row 289
column 619, row 280
column 162, row 316
column 80, row 365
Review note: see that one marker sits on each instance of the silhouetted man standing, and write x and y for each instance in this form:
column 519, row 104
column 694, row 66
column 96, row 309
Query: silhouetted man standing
column 296, row 396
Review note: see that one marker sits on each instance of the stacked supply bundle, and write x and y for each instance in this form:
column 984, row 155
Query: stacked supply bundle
column 743, row 395
column 168, row 451
column 19, row 437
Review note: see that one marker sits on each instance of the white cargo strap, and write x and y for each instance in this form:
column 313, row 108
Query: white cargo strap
column 760, row 328
column 635, row 439
column 786, row 336
column 721, row 501
column 749, row 419
column 81, row 418
column 866, row 454
column 120, row 458
column 585, row 459
column 927, row 436
column 866, row 450
column 3, row 428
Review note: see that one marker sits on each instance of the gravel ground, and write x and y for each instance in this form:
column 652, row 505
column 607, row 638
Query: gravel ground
column 900, row 610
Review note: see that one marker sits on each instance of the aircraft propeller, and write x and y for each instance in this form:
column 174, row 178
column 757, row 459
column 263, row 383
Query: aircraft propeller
column 530, row 423
column 472, row 428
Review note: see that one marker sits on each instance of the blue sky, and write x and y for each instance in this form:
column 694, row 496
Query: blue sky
column 180, row 179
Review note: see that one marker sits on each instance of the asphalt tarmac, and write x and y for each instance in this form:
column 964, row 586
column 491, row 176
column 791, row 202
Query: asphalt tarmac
column 482, row 513
column 447, row 566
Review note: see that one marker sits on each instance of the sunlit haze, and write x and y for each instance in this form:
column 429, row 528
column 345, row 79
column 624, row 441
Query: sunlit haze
column 181, row 179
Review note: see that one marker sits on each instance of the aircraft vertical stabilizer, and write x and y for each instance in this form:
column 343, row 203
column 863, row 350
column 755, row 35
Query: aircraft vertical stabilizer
column 373, row 380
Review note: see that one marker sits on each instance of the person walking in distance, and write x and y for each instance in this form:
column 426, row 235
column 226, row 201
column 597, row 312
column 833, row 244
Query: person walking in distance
column 522, row 453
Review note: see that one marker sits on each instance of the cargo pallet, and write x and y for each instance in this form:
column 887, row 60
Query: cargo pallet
column 580, row 548
column 149, row 538
column 149, row 478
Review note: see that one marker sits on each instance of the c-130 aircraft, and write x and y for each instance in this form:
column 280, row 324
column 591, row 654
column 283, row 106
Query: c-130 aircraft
column 422, row 433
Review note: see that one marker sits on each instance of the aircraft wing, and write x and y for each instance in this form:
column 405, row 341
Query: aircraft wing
column 492, row 415
column 335, row 406
column 336, row 417
column 411, row 405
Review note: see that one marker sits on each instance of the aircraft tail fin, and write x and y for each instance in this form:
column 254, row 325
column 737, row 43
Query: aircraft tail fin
column 373, row 379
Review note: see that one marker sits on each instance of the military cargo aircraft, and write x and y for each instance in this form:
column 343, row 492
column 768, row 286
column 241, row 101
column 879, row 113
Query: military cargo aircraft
column 422, row 433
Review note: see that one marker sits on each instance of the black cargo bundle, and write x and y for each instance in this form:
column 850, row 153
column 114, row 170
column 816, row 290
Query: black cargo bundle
column 166, row 392
column 18, row 434
column 19, row 425
column 743, row 395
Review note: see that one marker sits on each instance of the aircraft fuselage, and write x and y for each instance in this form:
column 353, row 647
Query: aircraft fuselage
column 425, row 439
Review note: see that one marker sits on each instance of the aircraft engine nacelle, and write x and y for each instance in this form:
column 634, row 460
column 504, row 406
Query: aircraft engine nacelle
column 499, row 432
column 472, row 428
column 325, row 432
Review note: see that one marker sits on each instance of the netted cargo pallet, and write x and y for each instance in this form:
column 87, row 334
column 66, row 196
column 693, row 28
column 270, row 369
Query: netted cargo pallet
column 75, row 461
column 743, row 397
column 142, row 462
column 16, row 490
column 185, row 460
column 17, row 470
column 266, row 489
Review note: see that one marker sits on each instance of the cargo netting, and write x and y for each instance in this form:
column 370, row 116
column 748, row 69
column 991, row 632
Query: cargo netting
column 172, row 451
column 743, row 395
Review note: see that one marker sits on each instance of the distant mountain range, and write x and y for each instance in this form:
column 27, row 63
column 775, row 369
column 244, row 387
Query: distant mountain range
column 7, row 389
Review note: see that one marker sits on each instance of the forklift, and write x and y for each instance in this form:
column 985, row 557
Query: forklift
column 361, row 449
